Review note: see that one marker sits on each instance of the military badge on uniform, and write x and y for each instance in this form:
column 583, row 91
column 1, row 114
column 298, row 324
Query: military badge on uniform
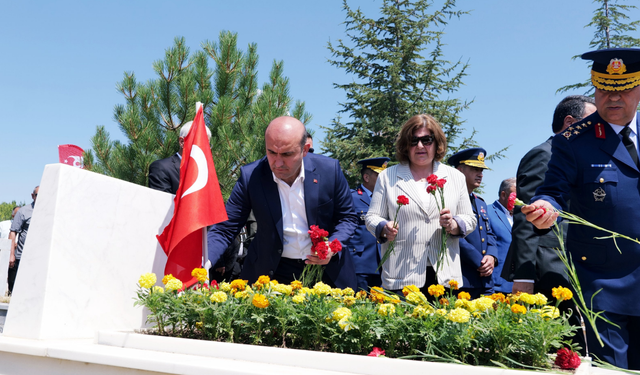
column 481, row 157
column 616, row 66
column 599, row 194
column 600, row 131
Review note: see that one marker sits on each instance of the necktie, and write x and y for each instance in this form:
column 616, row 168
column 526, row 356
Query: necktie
column 628, row 143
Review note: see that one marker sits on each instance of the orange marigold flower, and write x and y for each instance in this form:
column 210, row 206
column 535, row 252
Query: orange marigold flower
column 239, row 284
column 464, row 295
column 376, row 295
column 498, row 297
column 518, row 309
column 444, row 301
column 295, row 284
column 436, row 290
column 409, row 289
column 561, row 294
column 260, row 301
column 453, row 284
column 361, row 294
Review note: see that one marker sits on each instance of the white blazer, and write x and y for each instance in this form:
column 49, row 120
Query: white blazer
column 419, row 230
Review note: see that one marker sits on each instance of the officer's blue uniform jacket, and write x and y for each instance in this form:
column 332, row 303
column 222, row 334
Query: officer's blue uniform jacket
column 591, row 168
column 475, row 246
column 502, row 229
column 364, row 247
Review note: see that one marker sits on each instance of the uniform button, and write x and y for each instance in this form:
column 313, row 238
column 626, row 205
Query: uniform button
column 601, row 180
column 484, row 252
column 483, row 240
column 584, row 258
column 480, row 228
column 270, row 273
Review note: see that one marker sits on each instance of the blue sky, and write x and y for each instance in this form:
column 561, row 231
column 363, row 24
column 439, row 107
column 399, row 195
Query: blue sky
column 62, row 60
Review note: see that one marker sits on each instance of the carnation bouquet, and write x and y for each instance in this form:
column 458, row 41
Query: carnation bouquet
column 436, row 185
column 320, row 246
column 401, row 201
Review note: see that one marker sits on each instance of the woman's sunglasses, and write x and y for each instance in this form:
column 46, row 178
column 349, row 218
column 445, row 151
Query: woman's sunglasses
column 426, row 140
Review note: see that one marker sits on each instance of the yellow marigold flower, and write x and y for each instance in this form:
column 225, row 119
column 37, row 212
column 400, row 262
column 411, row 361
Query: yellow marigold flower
column 157, row 289
column 284, row 289
column 224, row 286
column 166, row 278
column 264, row 279
column 453, row 284
column 410, row 289
column 444, row 301
column 348, row 292
column 199, row 325
column 459, row 315
column 549, row 312
column 540, row 299
column 295, row 284
column 173, row 284
column 340, row 313
column 527, row 298
column 201, row 274
column 336, row 292
column 147, row 280
column 441, row 312
column 498, row 297
column 436, row 290
column 345, row 324
column 422, row 311
column 298, row 298
column 239, row 284
column 513, row 298
column 241, row 295
column 260, row 301
column 386, row 309
column 376, row 295
column 461, row 303
column 464, row 295
column 483, row 303
column 361, row 294
column 308, row 291
column 561, row 293
column 416, row 298
column 218, row 297
column 518, row 309
column 321, row 289
column 274, row 282
column 349, row 300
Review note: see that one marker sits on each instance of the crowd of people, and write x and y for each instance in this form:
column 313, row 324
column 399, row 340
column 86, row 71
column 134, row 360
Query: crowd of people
column 590, row 168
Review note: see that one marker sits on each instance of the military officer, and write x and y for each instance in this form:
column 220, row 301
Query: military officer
column 364, row 247
column 478, row 251
column 594, row 165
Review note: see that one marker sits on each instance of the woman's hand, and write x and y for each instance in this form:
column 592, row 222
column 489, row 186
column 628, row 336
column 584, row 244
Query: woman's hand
column 389, row 232
column 448, row 223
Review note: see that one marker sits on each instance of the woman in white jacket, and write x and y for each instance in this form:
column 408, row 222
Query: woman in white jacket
column 420, row 146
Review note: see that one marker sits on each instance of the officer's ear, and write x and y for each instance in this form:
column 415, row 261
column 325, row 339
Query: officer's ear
column 568, row 121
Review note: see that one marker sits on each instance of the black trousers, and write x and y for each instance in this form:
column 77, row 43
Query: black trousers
column 11, row 279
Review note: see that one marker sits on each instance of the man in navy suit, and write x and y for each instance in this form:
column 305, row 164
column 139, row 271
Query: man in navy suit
column 164, row 174
column 594, row 165
column 478, row 252
column 363, row 246
column 289, row 190
column 501, row 220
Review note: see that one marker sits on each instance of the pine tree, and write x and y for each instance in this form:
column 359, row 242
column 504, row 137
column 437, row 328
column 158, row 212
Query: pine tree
column 399, row 71
column 611, row 31
column 236, row 110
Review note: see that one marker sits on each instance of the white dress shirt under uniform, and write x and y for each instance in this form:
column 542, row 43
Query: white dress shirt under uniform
column 632, row 126
column 295, row 227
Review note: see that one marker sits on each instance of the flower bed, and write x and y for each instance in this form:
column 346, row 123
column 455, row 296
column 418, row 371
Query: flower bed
column 515, row 331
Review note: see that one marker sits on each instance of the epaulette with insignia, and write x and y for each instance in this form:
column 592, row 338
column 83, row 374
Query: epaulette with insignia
column 576, row 129
column 360, row 191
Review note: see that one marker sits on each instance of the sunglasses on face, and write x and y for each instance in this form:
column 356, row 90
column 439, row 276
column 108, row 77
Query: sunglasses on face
column 426, row 140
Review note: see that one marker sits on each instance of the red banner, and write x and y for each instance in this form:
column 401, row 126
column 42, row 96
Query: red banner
column 71, row 155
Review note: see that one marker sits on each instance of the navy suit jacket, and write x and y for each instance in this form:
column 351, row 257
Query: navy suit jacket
column 328, row 204
column 363, row 246
column 502, row 229
column 591, row 168
column 164, row 174
column 475, row 246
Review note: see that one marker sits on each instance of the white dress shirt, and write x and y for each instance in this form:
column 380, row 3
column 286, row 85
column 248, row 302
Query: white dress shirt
column 295, row 227
column 634, row 130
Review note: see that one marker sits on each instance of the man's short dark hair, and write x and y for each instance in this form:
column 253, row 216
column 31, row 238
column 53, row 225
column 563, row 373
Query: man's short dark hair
column 505, row 185
column 572, row 105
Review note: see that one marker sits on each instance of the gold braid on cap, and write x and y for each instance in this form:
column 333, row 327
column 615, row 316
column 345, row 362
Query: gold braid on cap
column 377, row 169
column 627, row 81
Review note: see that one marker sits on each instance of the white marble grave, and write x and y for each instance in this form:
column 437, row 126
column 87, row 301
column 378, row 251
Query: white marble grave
column 90, row 239
column 5, row 253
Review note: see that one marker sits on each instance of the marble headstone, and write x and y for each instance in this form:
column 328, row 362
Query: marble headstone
column 90, row 239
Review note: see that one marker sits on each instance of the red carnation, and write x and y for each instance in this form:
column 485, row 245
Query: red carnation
column 431, row 189
column 512, row 202
column 335, row 246
column 376, row 352
column 567, row 359
column 441, row 183
column 321, row 250
column 214, row 284
column 432, row 179
column 402, row 200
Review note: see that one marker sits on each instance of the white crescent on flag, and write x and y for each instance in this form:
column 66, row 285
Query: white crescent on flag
column 203, row 171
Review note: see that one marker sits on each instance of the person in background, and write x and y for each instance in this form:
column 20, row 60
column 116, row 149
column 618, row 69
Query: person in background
column 18, row 235
column 5, row 226
column 420, row 146
column 363, row 246
column 501, row 220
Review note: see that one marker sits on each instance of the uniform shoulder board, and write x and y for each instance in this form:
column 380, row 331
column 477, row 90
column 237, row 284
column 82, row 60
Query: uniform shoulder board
column 479, row 197
column 580, row 127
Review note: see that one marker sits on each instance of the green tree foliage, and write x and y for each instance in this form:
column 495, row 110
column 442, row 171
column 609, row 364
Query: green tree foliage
column 399, row 71
column 611, row 30
column 236, row 110
column 6, row 208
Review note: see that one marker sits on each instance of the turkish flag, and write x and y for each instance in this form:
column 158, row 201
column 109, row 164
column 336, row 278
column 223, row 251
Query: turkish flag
column 71, row 155
column 198, row 203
